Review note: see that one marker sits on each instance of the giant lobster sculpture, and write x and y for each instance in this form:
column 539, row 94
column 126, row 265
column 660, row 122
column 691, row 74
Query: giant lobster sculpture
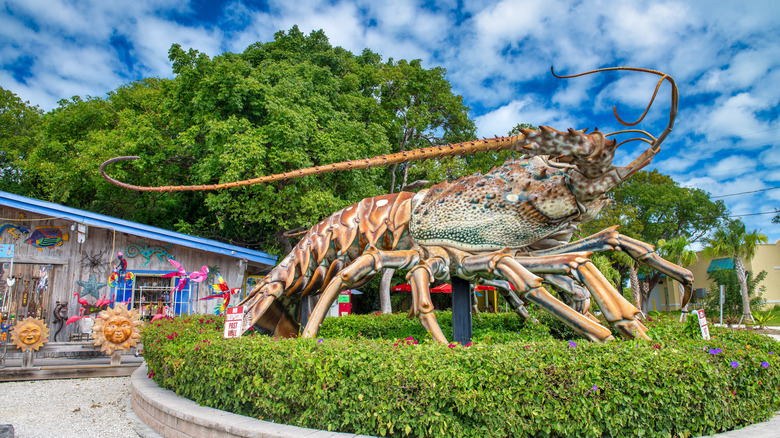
column 512, row 224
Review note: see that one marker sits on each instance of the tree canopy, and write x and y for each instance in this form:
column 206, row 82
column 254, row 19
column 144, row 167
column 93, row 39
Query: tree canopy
column 287, row 104
column 652, row 207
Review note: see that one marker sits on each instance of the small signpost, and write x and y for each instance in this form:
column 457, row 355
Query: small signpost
column 345, row 305
column 233, row 320
column 705, row 330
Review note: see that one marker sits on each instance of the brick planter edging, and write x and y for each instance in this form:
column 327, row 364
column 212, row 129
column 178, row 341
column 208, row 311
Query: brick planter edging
column 177, row 417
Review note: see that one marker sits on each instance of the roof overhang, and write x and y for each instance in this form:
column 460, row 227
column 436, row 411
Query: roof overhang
column 56, row 211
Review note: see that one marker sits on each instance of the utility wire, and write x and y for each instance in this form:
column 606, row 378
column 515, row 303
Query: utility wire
column 743, row 193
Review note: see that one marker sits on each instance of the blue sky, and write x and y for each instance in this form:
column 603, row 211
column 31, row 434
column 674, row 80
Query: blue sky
column 724, row 55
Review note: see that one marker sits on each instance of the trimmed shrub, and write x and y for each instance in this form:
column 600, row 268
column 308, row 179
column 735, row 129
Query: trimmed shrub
column 503, row 386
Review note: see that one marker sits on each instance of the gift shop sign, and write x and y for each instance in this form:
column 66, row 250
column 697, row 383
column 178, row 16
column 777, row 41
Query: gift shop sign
column 233, row 320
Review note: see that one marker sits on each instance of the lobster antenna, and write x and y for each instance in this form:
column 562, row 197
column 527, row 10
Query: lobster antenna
column 656, row 143
column 450, row 150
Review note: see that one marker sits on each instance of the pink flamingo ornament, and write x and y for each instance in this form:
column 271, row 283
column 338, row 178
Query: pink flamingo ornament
column 81, row 301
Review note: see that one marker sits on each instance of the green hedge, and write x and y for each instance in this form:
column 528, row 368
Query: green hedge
column 543, row 387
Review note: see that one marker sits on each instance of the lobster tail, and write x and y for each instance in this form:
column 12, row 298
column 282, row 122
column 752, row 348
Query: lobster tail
column 275, row 321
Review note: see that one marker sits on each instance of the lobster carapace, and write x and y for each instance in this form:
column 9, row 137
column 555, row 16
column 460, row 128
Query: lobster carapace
column 512, row 225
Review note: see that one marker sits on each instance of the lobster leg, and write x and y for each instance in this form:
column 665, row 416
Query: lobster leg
column 576, row 295
column 506, row 291
column 617, row 310
column 529, row 285
column 610, row 239
column 420, row 277
column 367, row 264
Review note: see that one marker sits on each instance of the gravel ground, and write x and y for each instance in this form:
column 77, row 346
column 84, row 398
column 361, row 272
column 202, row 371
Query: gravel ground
column 68, row 408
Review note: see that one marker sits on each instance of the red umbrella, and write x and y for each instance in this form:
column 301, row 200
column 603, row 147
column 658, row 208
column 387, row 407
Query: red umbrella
column 445, row 288
column 406, row 287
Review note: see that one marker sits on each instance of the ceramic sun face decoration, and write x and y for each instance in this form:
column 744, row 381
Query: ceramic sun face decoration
column 29, row 334
column 117, row 329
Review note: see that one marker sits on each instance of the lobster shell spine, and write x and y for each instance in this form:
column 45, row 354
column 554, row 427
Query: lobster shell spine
column 380, row 221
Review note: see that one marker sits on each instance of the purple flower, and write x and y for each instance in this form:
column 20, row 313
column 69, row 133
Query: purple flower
column 594, row 388
column 320, row 340
column 771, row 352
column 734, row 364
column 714, row 351
column 764, row 364
column 572, row 344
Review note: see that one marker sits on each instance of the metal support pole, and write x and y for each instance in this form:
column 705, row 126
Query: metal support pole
column 116, row 357
column 27, row 359
column 304, row 311
column 722, row 300
column 461, row 311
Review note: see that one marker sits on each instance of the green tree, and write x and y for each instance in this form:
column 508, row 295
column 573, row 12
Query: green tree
column 18, row 127
column 733, row 304
column 650, row 206
column 278, row 106
column 731, row 239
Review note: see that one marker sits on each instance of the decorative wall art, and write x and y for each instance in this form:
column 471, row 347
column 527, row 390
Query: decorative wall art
column 29, row 334
column 91, row 287
column 60, row 315
column 94, row 261
column 14, row 229
column 48, row 237
column 117, row 329
column 145, row 251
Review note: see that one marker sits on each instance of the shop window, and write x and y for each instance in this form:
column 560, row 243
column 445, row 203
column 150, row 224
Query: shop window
column 152, row 292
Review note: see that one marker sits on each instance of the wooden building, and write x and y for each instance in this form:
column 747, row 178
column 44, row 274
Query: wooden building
column 51, row 255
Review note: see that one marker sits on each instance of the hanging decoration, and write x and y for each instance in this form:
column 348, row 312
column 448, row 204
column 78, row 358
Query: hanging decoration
column 117, row 329
column 225, row 293
column 91, row 286
column 144, row 250
column 14, row 229
column 118, row 271
column 4, row 330
column 184, row 277
column 60, row 315
column 48, row 237
column 29, row 334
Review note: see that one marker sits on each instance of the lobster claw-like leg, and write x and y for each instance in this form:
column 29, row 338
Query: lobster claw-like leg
column 527, row 284
column 617, row 310
column 502, row 286
column 367, row 264
column 610, row 239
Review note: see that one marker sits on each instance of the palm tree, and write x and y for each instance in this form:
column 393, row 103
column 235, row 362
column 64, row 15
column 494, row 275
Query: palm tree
column 677, row 250
column 624, row 259
column 732, row 240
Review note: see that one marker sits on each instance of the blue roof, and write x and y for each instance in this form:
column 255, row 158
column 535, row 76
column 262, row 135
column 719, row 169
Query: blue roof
column 133, row 228
column 725, row 263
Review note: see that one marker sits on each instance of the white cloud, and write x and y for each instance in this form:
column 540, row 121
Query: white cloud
column 526, row 110
column 725, row 57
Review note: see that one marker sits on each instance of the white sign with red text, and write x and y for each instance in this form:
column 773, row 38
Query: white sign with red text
column 233, row 319
column 705, row 330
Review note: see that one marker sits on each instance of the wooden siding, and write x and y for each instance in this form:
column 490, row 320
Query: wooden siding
column 70, row 263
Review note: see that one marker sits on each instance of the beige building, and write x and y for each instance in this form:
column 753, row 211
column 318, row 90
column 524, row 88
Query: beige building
column 767, row 259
